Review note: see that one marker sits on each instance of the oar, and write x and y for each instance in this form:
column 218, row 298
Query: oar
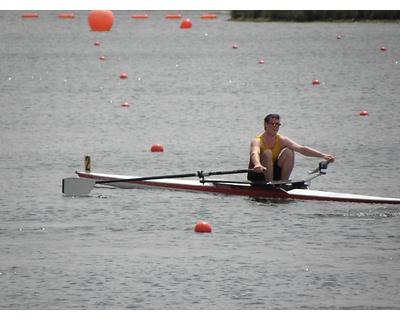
column 81, row 186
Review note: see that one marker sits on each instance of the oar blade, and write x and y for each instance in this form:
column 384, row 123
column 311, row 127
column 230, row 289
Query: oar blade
column 77, row 186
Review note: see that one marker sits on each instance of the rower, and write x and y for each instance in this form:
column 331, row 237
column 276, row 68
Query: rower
column 272, row 154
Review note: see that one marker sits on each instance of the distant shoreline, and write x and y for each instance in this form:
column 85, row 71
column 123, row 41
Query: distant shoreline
column 337, row 16
column 258, row 20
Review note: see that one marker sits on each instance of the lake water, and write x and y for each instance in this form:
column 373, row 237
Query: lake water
column 190, row 91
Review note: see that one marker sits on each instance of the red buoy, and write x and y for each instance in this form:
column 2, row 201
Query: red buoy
column 101, row 20
column 123, row 76
column 235, row 46
column 157, row 148
column 140, row 16
column 209, row 16
column 30, row 15
column 186, row 24
column 125, row 104
column 261, row 62
column 202, row 226
column 316, row 82
column 364, row 113
column 102, row 58
column 339, row 37
column 97, row 43
column 173, row 16
column 66, row 15
column 383, row 49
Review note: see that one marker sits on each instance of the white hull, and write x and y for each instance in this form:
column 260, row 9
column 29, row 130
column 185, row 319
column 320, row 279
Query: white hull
column 233, row 188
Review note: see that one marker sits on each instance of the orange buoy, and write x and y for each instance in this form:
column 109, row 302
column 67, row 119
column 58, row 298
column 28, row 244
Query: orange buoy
column 101, row 20
column 173, row 16
column 66, row 15
column 383, row 49
column 202, row 226
column 364, row 113
column 125, row 104
column 235, row 46
column 157, row 148
column 186, row 24
column 140, row 16
column 30, row 15
column 209, row 16
column 123, row 76
column 316, row 82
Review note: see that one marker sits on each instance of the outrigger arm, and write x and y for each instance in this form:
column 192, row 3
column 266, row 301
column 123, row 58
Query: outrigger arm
column 323, row 165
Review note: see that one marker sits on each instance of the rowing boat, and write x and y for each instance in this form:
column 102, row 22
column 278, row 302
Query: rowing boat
column 296, row 190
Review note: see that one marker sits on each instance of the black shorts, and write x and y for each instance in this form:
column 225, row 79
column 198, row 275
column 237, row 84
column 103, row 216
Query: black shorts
column 255, row 176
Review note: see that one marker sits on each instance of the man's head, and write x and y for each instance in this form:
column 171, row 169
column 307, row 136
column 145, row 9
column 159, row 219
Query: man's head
column 272, row 122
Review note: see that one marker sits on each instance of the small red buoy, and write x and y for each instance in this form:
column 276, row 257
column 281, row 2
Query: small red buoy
column 186, row 24
column 364, row 113
column 209, row 16
column 123, row 76
column 125, row 104
column 30, row 15
column 235, row 46
column 339, row 37
column 66, row 15
column 157, row 148
column 140, row 16
column 383, row 49
column 102, row 58
column 261, row 62
column 173, row 16
column 315, row 82
column 97, row 43
column 202, row 226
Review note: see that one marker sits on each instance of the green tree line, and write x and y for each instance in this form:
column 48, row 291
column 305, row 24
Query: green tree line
column 314, row 15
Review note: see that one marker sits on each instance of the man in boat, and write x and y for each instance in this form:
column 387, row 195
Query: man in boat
column 272, row 154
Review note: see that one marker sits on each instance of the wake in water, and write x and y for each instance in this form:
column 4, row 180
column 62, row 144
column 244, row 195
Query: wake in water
column 372, row 212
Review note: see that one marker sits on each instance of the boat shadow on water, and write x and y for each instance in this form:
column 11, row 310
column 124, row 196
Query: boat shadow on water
column 272, row 201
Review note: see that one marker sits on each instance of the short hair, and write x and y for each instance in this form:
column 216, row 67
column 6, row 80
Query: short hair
column 268, row 118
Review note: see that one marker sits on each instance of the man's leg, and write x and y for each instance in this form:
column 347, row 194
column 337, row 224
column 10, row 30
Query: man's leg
column 286, row 162
column 266, row 161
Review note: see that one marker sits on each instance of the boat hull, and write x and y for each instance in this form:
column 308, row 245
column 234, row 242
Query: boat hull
column 236, row 188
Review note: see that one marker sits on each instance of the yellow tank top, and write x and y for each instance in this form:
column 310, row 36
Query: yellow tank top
column 275, row 150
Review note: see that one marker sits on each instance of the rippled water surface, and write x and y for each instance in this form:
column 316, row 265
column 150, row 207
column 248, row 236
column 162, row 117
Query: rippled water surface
column 202, row 100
